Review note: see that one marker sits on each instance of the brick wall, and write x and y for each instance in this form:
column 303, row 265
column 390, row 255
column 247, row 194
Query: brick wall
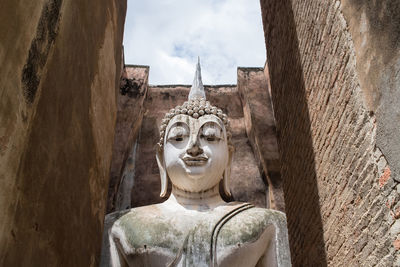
column 253, row 87
column 341, row 199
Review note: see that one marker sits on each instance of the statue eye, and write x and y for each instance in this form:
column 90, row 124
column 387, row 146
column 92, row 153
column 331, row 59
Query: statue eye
column 209, row 138
column 179, row 138
column 177, row 134
column 211, row 133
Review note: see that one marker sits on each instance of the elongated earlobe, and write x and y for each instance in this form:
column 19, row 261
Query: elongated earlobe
column 163, row 172
column 227, row 174
column 225, row 182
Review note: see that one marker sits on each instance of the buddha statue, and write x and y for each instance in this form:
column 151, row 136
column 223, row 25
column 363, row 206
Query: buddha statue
column 195, row 226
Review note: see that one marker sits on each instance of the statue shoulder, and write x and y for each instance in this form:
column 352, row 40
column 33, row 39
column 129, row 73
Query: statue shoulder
column 145, row 227
column 256, row 214
column 137, row 213
column 271, row 216
column 248, row 225
column 134, row 219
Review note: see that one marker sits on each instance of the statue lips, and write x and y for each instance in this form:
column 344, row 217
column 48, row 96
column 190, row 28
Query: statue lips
column 195, row 161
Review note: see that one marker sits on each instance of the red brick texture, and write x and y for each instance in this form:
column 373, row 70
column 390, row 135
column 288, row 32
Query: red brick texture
column 334, row 177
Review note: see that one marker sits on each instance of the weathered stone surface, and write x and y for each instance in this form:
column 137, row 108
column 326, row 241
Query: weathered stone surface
column 253, row 87
column 157, row 234
column 340, row 200
column 132, row 92
column 61, row 64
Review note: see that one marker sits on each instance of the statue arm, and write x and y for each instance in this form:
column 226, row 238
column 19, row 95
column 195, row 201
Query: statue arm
column 277, row 252
column 117, row 258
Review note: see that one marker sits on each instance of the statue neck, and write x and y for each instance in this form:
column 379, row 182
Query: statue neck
column 205, row 200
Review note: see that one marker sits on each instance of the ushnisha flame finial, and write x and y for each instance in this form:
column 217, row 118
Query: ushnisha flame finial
column 196, row 106
column 197, row 89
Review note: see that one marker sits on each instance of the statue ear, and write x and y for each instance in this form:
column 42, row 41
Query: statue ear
column 227, row 173
column 163, row 171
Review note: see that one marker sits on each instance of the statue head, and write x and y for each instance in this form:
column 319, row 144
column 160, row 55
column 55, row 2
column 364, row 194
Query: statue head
column 195, row 150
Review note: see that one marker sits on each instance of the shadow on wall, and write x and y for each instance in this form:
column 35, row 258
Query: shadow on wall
column 294, row 135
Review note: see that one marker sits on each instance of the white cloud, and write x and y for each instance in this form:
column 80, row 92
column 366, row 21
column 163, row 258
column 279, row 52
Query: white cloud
column 168, row 36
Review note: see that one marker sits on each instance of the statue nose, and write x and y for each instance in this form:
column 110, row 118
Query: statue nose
column 194, row 149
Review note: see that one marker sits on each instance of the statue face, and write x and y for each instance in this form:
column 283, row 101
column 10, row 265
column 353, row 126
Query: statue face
column 195, row 152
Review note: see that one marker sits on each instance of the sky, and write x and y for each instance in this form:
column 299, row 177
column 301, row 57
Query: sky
column 169, row 35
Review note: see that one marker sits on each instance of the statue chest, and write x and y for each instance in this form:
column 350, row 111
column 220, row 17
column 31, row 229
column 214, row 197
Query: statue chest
column 184, row 240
